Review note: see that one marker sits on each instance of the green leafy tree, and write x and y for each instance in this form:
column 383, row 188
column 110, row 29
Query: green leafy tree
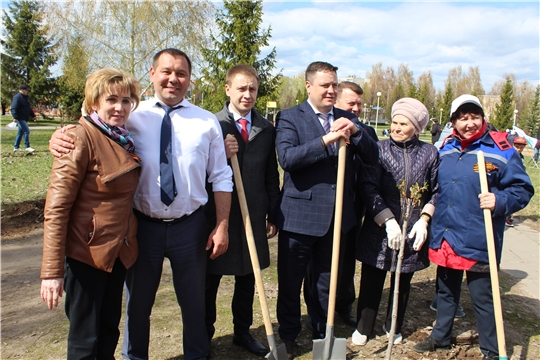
column 75, row 70
column 413, row 91
column 239, row 41
column 504, row 111
column 29, row 53
column 446, row 103
column 301, row 95
column 532, row 115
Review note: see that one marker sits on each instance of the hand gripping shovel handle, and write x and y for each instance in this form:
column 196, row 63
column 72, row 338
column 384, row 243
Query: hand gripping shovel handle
column 330, row 348
column 493, row 271
column 275, row 352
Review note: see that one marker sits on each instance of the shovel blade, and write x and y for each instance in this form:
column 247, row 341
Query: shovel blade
column 339, row 350
column 330, row 348
column 278, row 353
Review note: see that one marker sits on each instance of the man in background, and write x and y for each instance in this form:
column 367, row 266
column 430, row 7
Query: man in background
column 349, row 98
column 22, row 112
column 436, row 130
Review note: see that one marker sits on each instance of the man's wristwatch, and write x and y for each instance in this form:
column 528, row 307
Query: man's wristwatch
column 358, row 132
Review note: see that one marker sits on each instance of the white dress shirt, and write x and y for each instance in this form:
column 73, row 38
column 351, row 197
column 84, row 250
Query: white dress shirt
column 197, row 147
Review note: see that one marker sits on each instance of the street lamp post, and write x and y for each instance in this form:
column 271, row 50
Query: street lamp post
column 365, row 105
column 515, row 114
column 377, row 116
column 440, row 117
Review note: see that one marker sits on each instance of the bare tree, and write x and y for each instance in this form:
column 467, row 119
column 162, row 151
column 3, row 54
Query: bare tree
column 383, row 81
column 126, row 34
column 465, row 83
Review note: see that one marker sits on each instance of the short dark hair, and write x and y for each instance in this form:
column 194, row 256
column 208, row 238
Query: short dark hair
column 467, row 108
column 243, row 69
column 351, row 86
column 173, row 52
column 319, row 66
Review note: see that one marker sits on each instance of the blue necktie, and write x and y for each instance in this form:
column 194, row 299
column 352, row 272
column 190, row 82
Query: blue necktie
column 168, row 187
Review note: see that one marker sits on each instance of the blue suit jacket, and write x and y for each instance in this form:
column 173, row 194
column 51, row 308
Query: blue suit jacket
column 309, row 186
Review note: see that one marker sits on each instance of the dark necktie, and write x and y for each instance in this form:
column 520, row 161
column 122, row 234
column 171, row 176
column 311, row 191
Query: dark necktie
column 166, row 175
column 244, row 131
column 326, row 127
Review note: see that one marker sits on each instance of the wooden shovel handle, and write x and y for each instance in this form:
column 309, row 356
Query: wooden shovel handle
column 251, row 244
column 342, row 158
column 493, row 271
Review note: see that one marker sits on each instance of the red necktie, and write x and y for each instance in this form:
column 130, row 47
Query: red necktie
column 244, row 131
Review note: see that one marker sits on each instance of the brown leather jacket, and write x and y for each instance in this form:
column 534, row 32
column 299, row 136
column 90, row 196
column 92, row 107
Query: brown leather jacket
column 88, row 211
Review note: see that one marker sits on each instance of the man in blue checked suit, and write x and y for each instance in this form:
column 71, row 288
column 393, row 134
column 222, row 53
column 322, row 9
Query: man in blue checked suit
column 306, row 140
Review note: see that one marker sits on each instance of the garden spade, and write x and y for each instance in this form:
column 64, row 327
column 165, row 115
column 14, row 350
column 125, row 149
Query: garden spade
column 277, row 352
column 330, row 347
column 493, row 271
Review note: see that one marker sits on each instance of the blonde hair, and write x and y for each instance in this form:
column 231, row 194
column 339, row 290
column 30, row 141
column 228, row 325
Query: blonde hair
column 101, row 81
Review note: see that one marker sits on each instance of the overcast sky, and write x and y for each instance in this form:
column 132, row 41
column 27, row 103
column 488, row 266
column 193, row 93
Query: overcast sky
column 499, row 37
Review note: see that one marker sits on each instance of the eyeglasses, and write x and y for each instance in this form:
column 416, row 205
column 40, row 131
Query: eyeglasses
column 471, row 117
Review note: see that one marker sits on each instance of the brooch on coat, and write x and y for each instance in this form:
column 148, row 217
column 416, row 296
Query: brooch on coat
column 489, row 167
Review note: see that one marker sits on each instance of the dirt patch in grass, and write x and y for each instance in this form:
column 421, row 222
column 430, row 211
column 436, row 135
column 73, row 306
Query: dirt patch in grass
column 20, row 219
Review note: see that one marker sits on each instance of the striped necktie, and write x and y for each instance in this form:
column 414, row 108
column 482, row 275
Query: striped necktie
column 326, row 126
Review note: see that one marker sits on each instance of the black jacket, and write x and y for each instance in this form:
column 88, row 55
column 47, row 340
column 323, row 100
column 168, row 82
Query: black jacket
column 20, row 107
column 415, row 162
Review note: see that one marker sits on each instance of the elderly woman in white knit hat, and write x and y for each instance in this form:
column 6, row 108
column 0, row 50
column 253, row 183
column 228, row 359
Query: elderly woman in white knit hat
column 402, row 157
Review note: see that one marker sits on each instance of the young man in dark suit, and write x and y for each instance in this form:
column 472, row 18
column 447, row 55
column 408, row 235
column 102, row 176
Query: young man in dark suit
column 253, row 143
column 306, row 142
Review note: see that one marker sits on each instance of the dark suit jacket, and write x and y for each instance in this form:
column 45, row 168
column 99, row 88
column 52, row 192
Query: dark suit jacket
column 258, row 165
column 309, row 187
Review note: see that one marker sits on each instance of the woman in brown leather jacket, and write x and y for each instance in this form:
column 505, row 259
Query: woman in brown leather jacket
column 89, row 225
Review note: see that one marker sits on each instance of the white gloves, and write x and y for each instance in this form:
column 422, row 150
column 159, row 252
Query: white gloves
column 419, row 234
column 393, row 232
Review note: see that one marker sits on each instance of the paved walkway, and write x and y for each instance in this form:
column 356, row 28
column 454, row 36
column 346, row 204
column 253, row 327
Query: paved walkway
column 31, row 128
column 521, row 257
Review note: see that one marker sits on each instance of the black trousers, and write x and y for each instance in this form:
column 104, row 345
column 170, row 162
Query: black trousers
column 295, row 252
column 183, row 243
column 242, row 302
column 369, row 298
column 449, row 281
column 94, row 308
column 346, row 294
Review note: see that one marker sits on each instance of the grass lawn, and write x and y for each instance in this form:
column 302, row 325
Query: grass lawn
column 25, row 176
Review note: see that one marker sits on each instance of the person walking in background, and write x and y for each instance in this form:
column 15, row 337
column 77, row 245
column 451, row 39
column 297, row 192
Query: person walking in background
column 89, row 223
column 21, row 110
column 306, row 139
column 537, row 146
column 436, row 130
column 458, row 240
column 519, row 144
column 253, row 143
column 402, row 157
